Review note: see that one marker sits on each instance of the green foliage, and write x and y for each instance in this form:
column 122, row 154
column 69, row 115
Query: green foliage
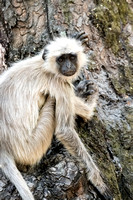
column 109, row 17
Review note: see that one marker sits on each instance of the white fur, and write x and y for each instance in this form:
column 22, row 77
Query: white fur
column 65, row 46
column 27, row 120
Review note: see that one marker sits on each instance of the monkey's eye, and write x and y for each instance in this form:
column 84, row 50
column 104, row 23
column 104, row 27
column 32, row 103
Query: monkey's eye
column 60, row 59
column 73, row 57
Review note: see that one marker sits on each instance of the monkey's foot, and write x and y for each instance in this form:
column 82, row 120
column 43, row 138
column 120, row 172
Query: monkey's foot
column 97, row 181
column 103, row 192
column 86, row 88
column 107, row 195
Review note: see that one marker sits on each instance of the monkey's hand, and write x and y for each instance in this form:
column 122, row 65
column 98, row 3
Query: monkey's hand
column 86, row 89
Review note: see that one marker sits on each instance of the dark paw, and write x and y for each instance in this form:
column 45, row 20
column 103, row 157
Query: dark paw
column 82, row 36
column 86, row 88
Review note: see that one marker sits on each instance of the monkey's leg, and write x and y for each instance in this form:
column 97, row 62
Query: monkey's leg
column 8, row 166
column 43, row 133
column 31, row 147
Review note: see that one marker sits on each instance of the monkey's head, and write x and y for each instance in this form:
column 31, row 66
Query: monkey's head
column 64, row 57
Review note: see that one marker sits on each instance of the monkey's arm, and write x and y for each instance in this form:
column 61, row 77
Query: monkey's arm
column 66, row 133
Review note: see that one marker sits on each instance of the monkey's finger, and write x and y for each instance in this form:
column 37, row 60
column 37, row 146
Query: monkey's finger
column 90, row 92
column 89, row 82
column 85, row 83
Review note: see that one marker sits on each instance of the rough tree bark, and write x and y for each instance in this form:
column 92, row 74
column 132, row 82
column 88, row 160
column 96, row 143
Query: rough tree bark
column 25, row 27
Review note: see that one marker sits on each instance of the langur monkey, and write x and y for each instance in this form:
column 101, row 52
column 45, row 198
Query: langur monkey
column 37, row 100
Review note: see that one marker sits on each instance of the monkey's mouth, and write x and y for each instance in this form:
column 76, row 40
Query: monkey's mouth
column 68, row 73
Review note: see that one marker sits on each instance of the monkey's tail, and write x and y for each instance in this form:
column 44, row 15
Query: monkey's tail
column 9, row 168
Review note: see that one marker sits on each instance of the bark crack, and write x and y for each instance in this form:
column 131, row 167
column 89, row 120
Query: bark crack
column 50, row 33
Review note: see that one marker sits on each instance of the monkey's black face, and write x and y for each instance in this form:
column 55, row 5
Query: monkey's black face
column 67, row 64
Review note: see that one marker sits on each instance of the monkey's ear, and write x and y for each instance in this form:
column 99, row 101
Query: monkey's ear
column 44, row 54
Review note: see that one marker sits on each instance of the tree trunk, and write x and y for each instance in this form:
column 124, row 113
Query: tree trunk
column 25, row 28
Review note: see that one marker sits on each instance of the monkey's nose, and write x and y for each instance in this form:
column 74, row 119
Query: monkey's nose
column 68, row 66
